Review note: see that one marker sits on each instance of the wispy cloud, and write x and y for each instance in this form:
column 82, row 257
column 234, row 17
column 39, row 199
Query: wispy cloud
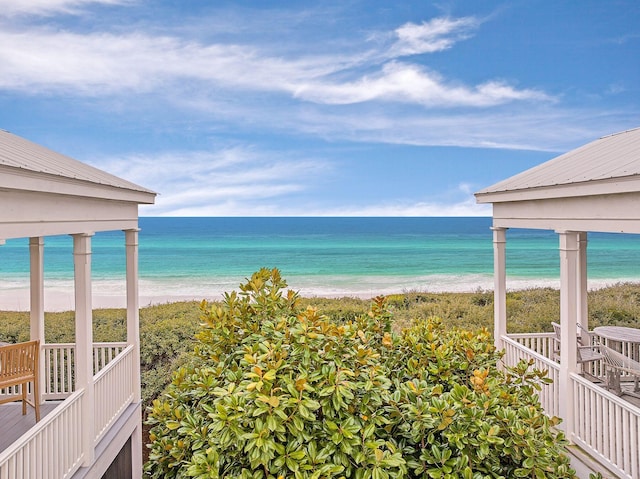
column 9, row 8
column 225, row 181
column 433, row 36
column 413, row 84
column 231, row 205
column 625, row 38
column 41, row 61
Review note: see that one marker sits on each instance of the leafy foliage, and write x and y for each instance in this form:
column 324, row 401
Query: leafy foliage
column 274, row 390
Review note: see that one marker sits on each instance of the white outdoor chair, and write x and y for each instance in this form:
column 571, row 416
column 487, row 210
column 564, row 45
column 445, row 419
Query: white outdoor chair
column 618, row 364
column 587, row 351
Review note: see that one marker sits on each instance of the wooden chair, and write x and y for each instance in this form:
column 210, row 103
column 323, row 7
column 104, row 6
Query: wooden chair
column 18, row 367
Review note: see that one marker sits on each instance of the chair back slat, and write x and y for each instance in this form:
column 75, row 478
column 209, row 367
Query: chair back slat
column 18, row 361
column 19, row 365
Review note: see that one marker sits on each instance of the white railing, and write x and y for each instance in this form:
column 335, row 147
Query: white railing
column 541, row 343
column 604, row 425
column 515, row 352
column 113, row 390
column 52, row 449
column 607, row 427
column 58, row 382
column 59, row 365
column 58, row 370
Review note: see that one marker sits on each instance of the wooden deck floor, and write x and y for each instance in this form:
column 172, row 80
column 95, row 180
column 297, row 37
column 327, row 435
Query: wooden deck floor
column 13, row 424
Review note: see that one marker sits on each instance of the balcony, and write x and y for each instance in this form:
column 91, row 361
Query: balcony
column 604, row 426
column 54, row 447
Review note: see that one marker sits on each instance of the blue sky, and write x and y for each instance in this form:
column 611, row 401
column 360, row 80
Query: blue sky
column 358, row 108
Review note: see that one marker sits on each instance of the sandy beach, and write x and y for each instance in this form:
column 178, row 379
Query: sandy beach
column 110, row 295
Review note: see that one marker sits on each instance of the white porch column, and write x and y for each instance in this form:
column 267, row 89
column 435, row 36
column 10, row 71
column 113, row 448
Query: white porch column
column 133, row 311
column 133, row 337
column 36, row 294
column 583, row 307
column 568, row 320
column 84, row 340
column 500, row 286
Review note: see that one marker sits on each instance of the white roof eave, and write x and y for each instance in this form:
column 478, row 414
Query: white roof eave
column 25, row 180
column 611, row 186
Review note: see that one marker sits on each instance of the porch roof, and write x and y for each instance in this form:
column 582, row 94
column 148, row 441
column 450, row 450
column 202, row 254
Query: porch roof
column 593, row 188
column 43, row 193
column 26, row 165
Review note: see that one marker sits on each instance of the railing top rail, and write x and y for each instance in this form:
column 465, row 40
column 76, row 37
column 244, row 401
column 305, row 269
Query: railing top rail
column 43, row 423
column 549, row 362
column 117, row 344
column 608, row 395
column 530, row 335
column 113, row 363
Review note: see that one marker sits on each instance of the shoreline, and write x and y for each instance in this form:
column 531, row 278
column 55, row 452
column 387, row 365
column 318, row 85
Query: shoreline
column 110, row 294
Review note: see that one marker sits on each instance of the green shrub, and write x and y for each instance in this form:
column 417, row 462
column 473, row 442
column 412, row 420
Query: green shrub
column 273, row 390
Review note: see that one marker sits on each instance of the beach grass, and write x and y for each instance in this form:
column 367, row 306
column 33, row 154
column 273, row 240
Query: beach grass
column 167, row 330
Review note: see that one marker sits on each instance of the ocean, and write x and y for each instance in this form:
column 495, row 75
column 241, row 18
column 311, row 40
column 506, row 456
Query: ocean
column 195, row 258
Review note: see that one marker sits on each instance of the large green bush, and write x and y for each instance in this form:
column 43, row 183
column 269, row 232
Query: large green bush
column 275, row 391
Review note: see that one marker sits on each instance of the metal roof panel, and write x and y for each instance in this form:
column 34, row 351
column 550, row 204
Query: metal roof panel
column 17, row 152
column 610, row 157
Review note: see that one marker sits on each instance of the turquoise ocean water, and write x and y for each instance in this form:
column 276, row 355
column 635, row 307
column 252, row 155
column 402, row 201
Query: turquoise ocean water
column 202, row 257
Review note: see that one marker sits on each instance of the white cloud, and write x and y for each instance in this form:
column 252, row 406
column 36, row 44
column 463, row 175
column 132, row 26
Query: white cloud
column 413, row 84
column 193, row 183
column 357, row 96
column 43, row 61
column 233, row 206
column 243, row 182
column 464, row 208
column 547, row 127
column 9, row 8
column 435, row 35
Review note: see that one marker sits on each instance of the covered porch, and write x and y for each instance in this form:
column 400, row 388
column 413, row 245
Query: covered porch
column 595, row 188
column 89, row 392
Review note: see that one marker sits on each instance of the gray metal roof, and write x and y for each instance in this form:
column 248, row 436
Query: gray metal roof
column 16, row 152
column 611, row 157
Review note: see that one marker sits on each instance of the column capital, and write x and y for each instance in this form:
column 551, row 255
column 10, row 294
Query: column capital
column 36, row 241
column 131, row 236
column 86, row 234
column 499, row 235
column 568, row 240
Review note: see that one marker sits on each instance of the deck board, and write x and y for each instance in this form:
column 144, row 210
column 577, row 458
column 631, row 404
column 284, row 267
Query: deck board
column 13, row 424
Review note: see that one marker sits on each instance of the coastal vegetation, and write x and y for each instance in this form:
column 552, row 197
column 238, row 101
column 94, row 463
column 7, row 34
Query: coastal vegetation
column 168, row 330
column 274, row 390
